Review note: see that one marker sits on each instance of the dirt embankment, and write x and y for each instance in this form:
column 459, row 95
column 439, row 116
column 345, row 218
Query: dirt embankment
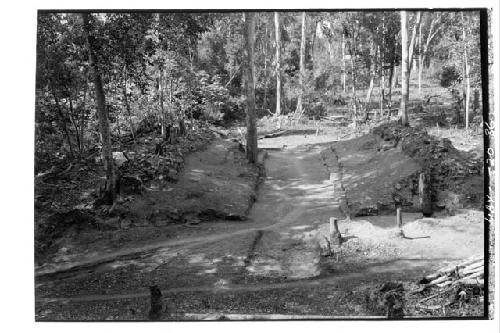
column 382, row 168
column 215, row 183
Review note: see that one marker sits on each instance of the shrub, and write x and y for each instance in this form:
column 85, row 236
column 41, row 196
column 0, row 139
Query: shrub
column 449, row 76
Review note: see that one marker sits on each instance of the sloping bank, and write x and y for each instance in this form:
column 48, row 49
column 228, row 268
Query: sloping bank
column 381, row 169
column 216, row 183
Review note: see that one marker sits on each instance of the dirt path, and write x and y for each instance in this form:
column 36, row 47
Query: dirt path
column 277, row 249
column 401, row 265
column 295, row 185
column 295, row 197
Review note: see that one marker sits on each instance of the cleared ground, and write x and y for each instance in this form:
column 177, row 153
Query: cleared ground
column 274, row 261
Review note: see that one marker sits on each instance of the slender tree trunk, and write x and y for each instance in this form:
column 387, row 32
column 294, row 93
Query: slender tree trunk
column 278, row 64
column 354, row 97
column 405, row 78
column 107, row 155
column 252, row 149
column 264, row 47
column 391, row 79
column 394, row 78
column 343, row 63
column 302, row 64
column 352, row 53
column 411, row 48
column 467, row 73
column 127, row 105
column 75, row 125
column 313, row 43
column 430, row 36
column 420, row 58
column 82, row 116
column 118, row 124
column 395, row 81
column 63, row 122
column 382, row 82
column 162, row 104
column 372, row 72
column 381, row 54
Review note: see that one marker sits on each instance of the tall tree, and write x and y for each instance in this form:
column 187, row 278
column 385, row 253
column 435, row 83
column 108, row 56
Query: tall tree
column 405, row 77
column 411, row 47
column 109, row 193
column 264, row 51
column 372, row 68
column 426, row 37
column 466, row 72
column 302, row 66
column 351, row 31
column 420, row 60
column 432, row 32
column 252, row 149
column 343, row 64
column 278, row 64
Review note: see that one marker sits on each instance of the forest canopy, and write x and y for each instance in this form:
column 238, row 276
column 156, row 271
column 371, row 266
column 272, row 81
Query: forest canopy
column 161, row 68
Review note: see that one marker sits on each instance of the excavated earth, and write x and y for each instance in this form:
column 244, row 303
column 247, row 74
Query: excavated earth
column 216, row 184
column 278, row 261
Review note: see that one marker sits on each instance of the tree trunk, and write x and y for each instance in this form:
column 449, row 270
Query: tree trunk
column 278, row 64
column 250, row 87
column 302, row 64
column 109, row 194
column 343, row 63
column 162, row 106
column 405, row 78
column 430, row 36
column 411, row 48
column 75, row 126
column 420, row 58
column 265, row 42
column 354, row 99
column 127, row 105
column 372, row 72
column 82, row 115
column 391, row 79
column 382, row 83
column 313, row 43
column 467, row 74
column 63, row 122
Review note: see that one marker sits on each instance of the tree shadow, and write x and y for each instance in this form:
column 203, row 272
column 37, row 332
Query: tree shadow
column 412, row 238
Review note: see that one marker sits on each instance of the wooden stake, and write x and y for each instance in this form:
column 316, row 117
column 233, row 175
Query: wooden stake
column 335, row 237
column 399, row 218
column 156, row 310
column 424, row 194
column 399, row 222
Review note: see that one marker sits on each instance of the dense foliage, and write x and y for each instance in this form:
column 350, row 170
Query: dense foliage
column 168, row 67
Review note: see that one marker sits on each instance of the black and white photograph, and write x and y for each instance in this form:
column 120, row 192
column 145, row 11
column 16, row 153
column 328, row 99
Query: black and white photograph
column 304, row 164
